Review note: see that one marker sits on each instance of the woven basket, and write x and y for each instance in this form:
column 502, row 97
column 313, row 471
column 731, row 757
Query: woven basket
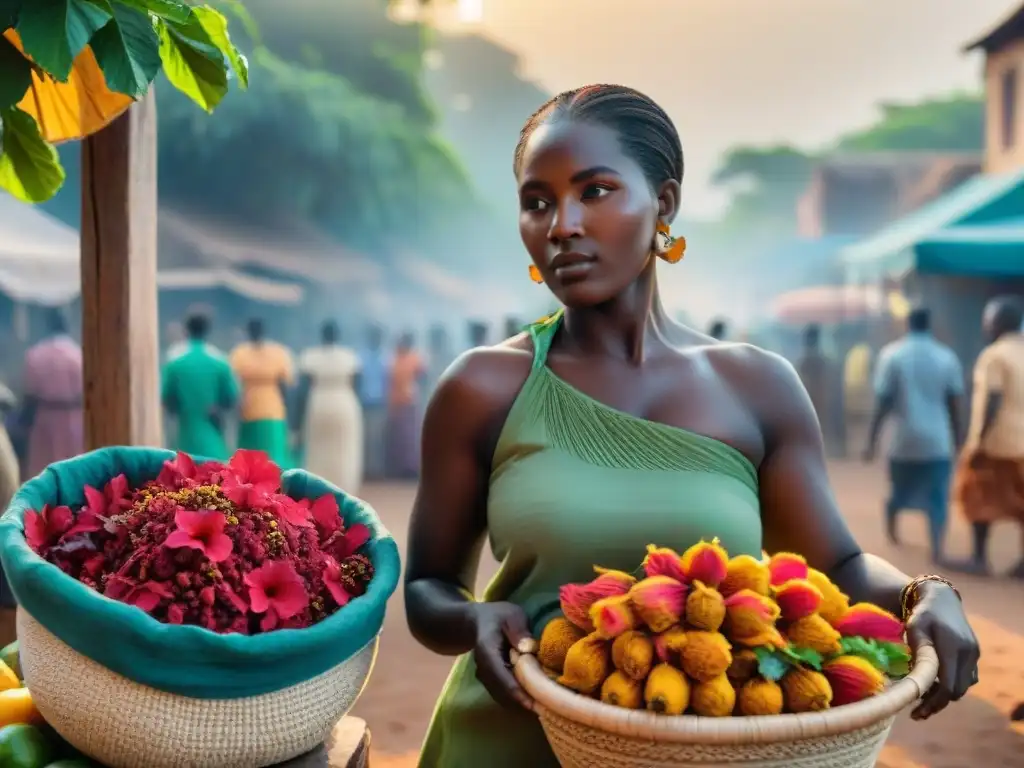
column 585, row 733
column 124, row 724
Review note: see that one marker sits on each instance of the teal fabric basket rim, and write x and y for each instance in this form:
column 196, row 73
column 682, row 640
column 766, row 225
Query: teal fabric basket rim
column 185, row 660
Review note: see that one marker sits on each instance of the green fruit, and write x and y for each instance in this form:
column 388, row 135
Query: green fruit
column 24, row 746
column 9, row 656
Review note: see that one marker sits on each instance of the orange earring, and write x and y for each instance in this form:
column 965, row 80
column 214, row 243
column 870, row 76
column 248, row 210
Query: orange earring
column 535, row 274
column 669, row 248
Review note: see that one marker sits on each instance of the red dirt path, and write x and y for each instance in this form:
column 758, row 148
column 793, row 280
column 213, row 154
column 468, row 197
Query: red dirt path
column 976, row 733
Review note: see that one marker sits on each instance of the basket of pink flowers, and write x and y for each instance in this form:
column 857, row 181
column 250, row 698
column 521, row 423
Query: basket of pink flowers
column 180, row 612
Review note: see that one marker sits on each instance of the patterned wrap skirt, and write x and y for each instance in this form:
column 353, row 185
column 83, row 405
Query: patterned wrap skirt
column 988, row 488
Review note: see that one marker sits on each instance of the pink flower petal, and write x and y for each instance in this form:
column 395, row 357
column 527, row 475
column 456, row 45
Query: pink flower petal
column 356, row 536
column 341, row 597
column 326, row 514
column 95, row 501
column 86, row 522
column 218, row 547
column 180, row 538
column 291, row 511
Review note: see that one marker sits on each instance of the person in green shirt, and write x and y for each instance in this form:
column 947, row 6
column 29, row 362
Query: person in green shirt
column 198, row 386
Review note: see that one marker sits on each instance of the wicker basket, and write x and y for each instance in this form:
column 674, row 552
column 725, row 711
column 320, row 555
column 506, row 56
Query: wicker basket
column 124, row 724
column 585, row 733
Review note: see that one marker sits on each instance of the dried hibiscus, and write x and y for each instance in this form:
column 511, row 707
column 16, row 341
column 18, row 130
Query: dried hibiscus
column 215, row 545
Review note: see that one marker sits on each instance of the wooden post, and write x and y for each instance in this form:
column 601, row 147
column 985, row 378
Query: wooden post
column 119, row 294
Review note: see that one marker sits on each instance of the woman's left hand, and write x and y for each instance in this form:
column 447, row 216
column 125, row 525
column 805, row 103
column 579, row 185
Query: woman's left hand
column 938, row 619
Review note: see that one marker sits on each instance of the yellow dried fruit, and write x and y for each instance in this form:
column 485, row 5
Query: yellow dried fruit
column 587, row 664
column 750, row 620
column 633, row 654
column 621, row 690
column 558, row 637
column 667, row 691
column 659, row 601
column 705, row 608
column 706, row 655
column 743, row 667
column 611, row 616
column 669, row 644
column 713, row 698
column 745, row 572
column 834, row 604
column 815, row 633
column 805, row 690
column 759, row 697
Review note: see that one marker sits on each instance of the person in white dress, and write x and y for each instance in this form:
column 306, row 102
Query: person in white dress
column 332, row 418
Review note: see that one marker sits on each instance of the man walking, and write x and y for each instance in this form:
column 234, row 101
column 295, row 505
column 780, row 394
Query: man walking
column 919, row 383
column 989, row 482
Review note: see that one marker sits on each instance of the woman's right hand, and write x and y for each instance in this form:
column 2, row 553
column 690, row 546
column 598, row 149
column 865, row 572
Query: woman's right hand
column 499, row 628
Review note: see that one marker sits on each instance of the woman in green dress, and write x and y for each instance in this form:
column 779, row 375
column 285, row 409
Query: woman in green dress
column 198, row 388
column 608, row 427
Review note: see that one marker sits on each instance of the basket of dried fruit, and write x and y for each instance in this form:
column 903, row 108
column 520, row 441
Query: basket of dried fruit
column 759, row 662
column 177, row 612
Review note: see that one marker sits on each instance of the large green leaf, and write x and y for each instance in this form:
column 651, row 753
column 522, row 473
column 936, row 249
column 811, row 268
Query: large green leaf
column 216, row 27
column 128, row 51
column 15, row 74
column 54, row 32
column 165, row 9
column 192, row 63
column 29, row 167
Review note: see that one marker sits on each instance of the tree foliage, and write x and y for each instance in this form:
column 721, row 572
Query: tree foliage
column 770, row 180
column 308, row 145
column 130, row 41
column 336, row 129
column 952, row 124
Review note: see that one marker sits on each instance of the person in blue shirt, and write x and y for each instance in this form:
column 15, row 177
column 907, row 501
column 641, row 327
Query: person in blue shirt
column 919, row 383
column 372, row 388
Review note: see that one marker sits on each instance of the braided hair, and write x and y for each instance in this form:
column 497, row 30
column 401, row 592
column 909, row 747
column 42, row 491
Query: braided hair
column 645, row 131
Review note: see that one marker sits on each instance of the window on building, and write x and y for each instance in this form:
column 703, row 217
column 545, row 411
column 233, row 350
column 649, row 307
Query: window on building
column 1009, row 108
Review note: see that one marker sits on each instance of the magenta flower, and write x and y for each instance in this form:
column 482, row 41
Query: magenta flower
column 326, row 514
column 146, row 595
column 43, row 529
column 251, row 478
column 290, row 510
column 177, row 471
column 332, row 580
column 203, row 531
column 277, row 591
column 341, row 544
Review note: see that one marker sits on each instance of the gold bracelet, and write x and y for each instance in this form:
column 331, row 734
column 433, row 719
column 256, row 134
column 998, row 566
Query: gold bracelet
column 910, row 594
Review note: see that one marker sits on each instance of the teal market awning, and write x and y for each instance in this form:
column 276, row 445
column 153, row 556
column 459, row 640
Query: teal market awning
column 983, row 199
column 983, row 250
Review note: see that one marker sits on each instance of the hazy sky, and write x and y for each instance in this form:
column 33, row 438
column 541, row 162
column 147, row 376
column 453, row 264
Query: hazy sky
column 750, row 71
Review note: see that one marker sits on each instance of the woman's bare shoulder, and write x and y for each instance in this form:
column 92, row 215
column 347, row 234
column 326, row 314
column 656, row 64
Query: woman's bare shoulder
column 764, row 381
column 484, row 381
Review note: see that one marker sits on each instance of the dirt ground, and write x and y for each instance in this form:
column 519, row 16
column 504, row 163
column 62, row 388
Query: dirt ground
column 976, row 733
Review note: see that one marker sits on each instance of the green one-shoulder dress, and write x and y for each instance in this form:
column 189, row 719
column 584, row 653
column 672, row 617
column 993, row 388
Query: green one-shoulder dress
column 576, row 483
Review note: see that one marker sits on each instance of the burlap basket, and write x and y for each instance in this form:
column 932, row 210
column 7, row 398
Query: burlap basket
column 132, row 692
column 585, row 733
column 126, row 725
